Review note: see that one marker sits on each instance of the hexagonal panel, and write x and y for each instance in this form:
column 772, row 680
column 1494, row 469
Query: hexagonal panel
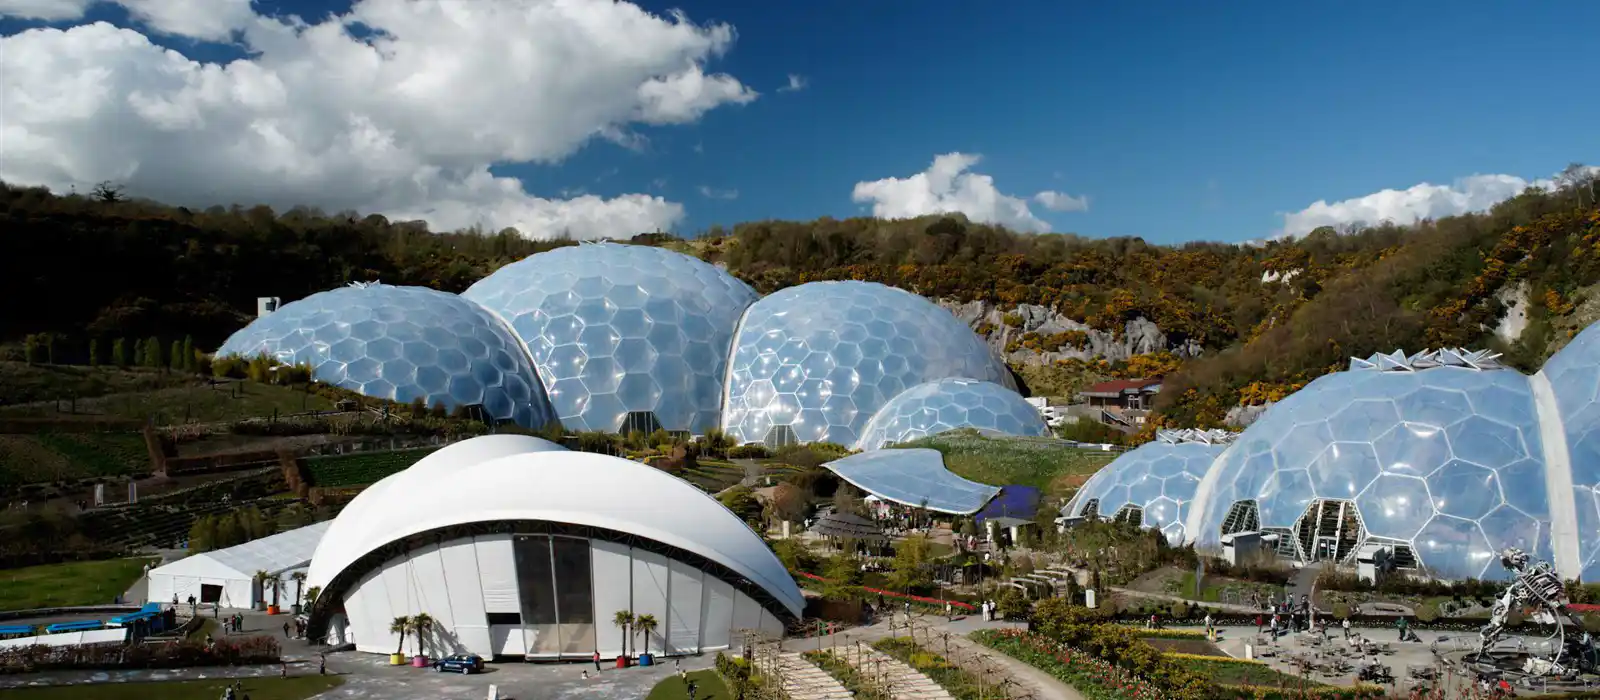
column 402, row 343
column 1410, row 448
column 882, row 341
column 636, row 311
column 1574, row 376
column 950, row 404
column 1160, row 478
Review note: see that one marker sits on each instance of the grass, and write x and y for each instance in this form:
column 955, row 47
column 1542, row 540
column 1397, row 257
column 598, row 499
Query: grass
column 708, row 686
column 196, row 403
column 45, row 457
column 70, row 583
column 24, row 383
column 1048, row 465
column 1234, row 672
column 294, row 688
column 362, row 468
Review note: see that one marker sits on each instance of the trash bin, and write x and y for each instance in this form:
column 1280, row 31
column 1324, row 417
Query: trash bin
column 622, row 661
column 646, row 660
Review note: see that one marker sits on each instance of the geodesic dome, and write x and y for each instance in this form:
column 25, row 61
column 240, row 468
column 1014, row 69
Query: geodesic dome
column 625, row 337
column 1152, row 484
column 815, row 362
column 401, row 344
column 949, row 404
column 1439, row 456
column 1571, row 380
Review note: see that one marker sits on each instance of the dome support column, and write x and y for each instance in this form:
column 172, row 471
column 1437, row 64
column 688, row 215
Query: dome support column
column 1558, row 479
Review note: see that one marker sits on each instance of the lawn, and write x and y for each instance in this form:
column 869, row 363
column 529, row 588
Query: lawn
column 362, row 468
column 70, row 583
column 42, row 457
column 24, row 383
column 1042, row 463
column 293, row 688
column 708, row 686
column 199, row 403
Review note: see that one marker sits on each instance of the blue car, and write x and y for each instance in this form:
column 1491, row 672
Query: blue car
column 460, row 663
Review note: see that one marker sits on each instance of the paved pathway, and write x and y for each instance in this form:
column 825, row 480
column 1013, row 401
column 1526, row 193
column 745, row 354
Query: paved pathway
column 803, row 680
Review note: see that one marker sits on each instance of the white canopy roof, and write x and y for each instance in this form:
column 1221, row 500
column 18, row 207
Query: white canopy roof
column 509, row 477
column 273, row 554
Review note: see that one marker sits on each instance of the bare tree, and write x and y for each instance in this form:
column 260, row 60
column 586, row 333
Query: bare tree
column 108, row 192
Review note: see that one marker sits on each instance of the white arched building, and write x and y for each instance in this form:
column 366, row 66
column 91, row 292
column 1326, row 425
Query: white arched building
column 518, row 547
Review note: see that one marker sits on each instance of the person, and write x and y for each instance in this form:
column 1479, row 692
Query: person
column 692, row 689
column 586, row 674
column 949, row 610
column 285, row 630
column 1274, row 626
column 322, row 665
column 1400, row 625
column 1346, row 625
column 283, row 671
column 1259, row 623
column 597, row 661
column 1209, row 628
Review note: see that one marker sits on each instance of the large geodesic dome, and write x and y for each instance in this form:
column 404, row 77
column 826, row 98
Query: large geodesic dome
column 814, row 362
column 625, row 337
column 1570, row 381
column 1438, row 456
column 950, row 404
column 1152, row 484
column 402, row 344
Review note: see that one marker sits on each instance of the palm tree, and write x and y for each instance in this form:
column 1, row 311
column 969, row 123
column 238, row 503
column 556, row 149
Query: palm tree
column 276, row 581
column 422, row 623
column 261, row 584
column 401, row 625
column 299, row 586
column 644, row 625
column 623, row 619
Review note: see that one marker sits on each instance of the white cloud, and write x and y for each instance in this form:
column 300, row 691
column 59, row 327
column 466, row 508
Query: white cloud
column 1475, row 193
column 207, row 20
column 47, row 10
column 710, row 192
column 1061, row 201
column 796, row 83
column 946, row 188
column 405, row 123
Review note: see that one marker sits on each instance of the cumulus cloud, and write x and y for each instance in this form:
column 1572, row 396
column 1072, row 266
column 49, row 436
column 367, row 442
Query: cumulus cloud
column 796, row 83
column 710, row 192
column 1061, row 201
column 1475, row 193
column 947, row 188
column 405, row 121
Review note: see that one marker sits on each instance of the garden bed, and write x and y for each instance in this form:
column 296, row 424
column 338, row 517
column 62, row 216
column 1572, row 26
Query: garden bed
column 960, row 683
column 1094, row 678
column 859, row 685
column 1195, row 647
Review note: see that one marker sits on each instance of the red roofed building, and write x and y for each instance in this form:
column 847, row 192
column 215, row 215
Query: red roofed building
column 1122, row 403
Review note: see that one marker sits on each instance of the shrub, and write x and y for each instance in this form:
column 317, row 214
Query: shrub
column 751, row 451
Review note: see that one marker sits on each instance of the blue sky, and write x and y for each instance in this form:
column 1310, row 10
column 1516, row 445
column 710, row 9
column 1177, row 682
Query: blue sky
column 1177, row 120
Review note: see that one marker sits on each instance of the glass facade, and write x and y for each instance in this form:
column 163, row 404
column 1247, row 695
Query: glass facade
column 401, row 344
column 1446, row 461
column 951, row 404
column 1158, row 478
column 557, row 595
column 1574, row 376
column 616, row 329
column 822, row 358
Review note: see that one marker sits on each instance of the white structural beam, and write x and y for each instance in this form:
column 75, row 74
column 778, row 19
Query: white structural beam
column 1202, row 498
column 1558, row 479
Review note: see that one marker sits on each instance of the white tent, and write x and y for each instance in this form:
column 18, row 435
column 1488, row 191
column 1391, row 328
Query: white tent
column 227, row 576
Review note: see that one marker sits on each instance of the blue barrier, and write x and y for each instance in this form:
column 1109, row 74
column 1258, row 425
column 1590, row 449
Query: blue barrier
column 75, row 626
column 132, row 617
column 17, row 629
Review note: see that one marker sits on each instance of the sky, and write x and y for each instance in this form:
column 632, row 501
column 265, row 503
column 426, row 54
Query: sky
column 1171, row 121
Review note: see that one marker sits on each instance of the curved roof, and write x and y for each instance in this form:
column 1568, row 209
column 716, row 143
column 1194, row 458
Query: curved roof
column 913, row 477
column 401, row 344
column 1160, row 478
column 951, row 404
column 1447, row 459
column 505, row 481
column 823, row 357
column 616, row 328
column 1572, row 378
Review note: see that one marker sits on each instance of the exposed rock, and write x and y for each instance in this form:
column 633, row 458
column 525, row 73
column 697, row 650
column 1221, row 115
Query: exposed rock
column 1140, row 336
column 1242, row 416
column 1515, row 320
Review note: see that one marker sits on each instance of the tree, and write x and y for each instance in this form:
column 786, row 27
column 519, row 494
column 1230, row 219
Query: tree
column 742, row 501
column 152, row 353
column 94, row 352
column 400, row 625
column 107, row 192
column 203, row 534
column 175, row 356
column 644, row 626
column 30, row 349
column 422, row 624
column 909, row 570
column 624, row 620
column 187, row 353
column 119, row 352
column 299, row 578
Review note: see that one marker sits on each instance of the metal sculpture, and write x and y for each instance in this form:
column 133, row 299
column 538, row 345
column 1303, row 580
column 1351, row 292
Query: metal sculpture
column 1536, row 585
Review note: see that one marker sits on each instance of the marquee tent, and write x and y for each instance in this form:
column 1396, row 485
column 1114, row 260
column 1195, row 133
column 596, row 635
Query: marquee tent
column 227, row 576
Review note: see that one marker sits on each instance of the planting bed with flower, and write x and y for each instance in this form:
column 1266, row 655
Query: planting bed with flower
column 960, row 683
column 1096, row 679
column 859, row 685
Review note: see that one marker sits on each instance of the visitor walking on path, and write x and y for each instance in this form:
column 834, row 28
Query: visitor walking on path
column 597, row 661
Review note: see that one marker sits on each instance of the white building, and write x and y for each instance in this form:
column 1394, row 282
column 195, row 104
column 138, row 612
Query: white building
column 228, row 576
column 517, row 547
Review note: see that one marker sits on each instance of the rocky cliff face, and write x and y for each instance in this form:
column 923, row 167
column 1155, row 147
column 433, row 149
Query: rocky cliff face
column 1000, row 326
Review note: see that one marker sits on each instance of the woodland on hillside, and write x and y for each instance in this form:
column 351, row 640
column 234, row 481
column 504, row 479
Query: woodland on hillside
column 83, row 267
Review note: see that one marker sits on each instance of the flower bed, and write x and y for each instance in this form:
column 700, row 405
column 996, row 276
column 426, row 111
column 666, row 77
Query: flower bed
column 859, row 685
column 960, row 683
column 250, row 650
column 1094, row 678
column 1168, row 633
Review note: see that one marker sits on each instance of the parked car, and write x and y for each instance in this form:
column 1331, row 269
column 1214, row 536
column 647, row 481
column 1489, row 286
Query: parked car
column 460, row 663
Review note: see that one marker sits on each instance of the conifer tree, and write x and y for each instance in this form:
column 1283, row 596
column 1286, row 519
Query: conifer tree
column 94, row 352
column 119, row 352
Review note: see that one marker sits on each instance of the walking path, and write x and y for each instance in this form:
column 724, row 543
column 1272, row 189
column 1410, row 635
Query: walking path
column 951, row 634
column 903, row 682
column 803, row 680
